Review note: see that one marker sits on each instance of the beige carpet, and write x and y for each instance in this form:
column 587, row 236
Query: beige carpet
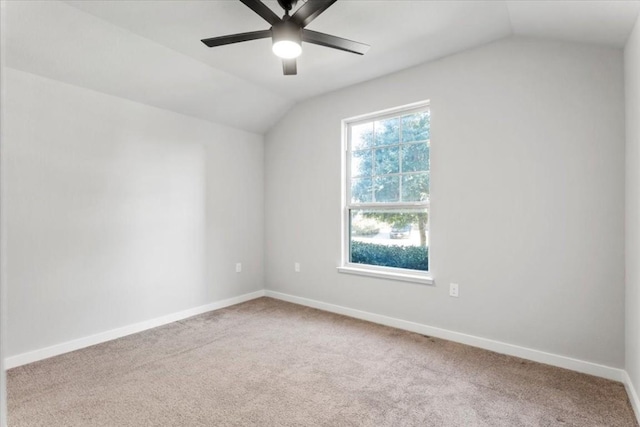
column 271, row 363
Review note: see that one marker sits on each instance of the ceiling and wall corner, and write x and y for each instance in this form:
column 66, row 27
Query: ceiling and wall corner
column 89, row 52
column 150, row 51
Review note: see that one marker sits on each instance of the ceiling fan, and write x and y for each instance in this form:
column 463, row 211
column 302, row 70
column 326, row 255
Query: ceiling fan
column 289, row 32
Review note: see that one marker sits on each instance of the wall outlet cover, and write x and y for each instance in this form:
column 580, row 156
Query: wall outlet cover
column 453, row 290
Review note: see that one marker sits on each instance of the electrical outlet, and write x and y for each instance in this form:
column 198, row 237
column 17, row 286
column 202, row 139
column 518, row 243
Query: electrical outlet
column 238, row 267
column 296, row 267
column 453, row 290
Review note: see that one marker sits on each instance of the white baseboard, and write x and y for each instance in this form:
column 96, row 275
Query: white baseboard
column 77, row 344
column 487, row 344
column 633, row 395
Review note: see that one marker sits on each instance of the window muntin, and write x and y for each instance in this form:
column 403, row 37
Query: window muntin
column 387, row 190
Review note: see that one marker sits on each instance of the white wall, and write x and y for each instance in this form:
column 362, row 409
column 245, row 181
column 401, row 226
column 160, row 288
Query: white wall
column 3, row 299
column 118, row 212
column 527, row 197
column 632, row 232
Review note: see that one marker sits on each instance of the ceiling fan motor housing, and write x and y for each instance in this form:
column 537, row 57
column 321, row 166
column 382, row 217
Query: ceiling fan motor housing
column 287, row 5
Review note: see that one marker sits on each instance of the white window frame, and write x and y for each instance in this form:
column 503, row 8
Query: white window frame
column 402, row 274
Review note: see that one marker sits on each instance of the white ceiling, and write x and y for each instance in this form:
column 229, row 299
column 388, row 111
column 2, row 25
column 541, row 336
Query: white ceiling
column 150, row 51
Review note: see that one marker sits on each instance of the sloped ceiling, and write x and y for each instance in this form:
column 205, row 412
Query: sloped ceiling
column 150, row 51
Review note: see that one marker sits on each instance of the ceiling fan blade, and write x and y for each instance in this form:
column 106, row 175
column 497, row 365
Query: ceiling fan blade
column 334, row 42
column 263, row 10
column 310, row 11
column 236, row 38
column 289, row 67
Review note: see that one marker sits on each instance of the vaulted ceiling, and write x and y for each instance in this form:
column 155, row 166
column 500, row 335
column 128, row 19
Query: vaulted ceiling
column 150, row 51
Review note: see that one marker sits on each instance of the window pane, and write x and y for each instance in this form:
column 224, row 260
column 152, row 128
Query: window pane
column 387, row 188
column 415, row 187
column 362, row 136
column 361, row 163
column 387, row 160
column 387, row 131
column 416, row 127
column 361, row 190
column 415, row 157
column 390, row 238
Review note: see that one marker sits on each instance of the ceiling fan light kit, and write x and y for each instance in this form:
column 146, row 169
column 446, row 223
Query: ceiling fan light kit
column 287, row 40
column 288, row 33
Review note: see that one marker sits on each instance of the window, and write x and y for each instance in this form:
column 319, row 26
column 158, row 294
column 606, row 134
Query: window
column 386, row 194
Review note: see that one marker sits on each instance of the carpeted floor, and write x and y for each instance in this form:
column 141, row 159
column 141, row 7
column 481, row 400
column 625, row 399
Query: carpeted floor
column 271, row 363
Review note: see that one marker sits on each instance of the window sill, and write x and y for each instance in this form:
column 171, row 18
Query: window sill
column 405, row 277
